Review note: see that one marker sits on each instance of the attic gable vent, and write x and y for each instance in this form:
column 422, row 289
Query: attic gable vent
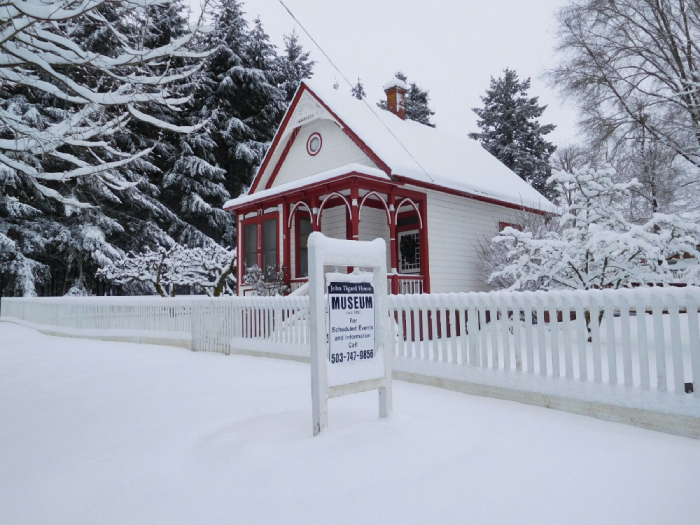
column 307, row 110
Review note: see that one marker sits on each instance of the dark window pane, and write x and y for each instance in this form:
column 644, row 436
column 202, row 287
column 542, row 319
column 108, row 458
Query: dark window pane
column 250, row 245
column 305, row 230
column 406, row 221
column 269, row 245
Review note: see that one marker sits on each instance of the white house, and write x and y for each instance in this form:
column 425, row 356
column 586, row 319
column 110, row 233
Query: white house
column 352, row 171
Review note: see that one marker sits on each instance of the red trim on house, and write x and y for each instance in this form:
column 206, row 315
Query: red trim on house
column 350, row 133
column 503, row 225
column 308, row 144
column 239, row 269
column 258, row 219
column 278, row 136
column 280, row 131
column 283, row 157
column 465, row 194
column 286, row 244
column 297, row 257
column 425, row 249
column 321, row 187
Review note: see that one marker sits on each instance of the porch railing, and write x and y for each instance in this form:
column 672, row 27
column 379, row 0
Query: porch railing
column 410, row 284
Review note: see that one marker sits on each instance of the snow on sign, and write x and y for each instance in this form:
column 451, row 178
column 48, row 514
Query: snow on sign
column 351, row 323
column 348, row 324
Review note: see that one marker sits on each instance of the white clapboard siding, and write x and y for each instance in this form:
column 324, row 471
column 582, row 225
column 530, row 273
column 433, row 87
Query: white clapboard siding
column 456, row 226
column 373, row 225
column 337, row 150
column 333, row 222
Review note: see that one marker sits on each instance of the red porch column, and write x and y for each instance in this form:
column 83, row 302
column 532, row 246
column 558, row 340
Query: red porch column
column 315, row 219
column 393, row 247
column 355, row 219
column 424, row 245
column 239, row 254
column 286, row 243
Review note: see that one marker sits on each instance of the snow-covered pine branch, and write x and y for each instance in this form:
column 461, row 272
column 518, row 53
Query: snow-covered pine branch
column 597, row 247
column 211, row 269
column 92, row 94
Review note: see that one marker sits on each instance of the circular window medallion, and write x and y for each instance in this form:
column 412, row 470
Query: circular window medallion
column 313, row 145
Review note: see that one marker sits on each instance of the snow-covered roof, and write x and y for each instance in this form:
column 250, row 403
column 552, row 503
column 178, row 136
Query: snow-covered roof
column 423, row 154
column 426, row 154
column 306, row 181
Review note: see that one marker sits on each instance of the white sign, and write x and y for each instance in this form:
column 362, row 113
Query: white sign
column 348, row 329
column 351, row 323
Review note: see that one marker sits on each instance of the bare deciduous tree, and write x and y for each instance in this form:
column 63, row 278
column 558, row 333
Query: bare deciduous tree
column 634, row 64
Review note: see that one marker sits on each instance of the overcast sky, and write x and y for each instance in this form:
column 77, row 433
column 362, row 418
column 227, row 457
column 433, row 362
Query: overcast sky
column 451, row 47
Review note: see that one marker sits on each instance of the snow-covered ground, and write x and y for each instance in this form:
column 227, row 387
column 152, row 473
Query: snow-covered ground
column 101, row 432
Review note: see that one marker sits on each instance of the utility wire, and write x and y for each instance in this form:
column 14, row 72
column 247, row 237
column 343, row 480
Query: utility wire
column 350, row 84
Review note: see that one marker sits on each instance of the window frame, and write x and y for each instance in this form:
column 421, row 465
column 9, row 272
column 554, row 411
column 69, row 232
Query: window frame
column 503, row 225
column 298, row 215
column 421, row 240
column 258, row 220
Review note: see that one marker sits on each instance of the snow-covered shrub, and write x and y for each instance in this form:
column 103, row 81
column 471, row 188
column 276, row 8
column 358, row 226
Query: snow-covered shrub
column 268, row 283
column 211, row 269
column 597, row 247
column 493, row 256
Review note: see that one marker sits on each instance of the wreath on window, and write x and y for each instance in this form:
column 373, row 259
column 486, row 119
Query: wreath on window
column 408, row 248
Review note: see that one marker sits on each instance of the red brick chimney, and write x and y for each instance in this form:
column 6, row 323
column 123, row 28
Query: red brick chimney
column 396, row 90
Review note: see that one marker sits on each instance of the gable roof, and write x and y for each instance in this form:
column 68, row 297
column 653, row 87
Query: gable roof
column 406, row 150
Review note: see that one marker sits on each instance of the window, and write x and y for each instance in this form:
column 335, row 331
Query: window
column 250, row 245
column 260, row 244
column 304, row 229
column 313, row 145
column 409, row 252
column 503, row 225
column 269, row 245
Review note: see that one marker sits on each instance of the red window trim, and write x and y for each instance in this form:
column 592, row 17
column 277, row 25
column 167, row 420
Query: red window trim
column 259, row 219
column 297, row 257
column 503, row 225
column 308, row 144
column 421, row 240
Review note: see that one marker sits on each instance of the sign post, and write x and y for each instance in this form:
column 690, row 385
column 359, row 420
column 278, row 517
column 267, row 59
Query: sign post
column 350, row 350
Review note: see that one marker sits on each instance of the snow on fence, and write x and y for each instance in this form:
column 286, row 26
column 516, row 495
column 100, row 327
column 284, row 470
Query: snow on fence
column 646, row 337
column 267, row 325
column 103, row 313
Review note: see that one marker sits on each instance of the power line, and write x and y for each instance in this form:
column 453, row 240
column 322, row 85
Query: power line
column 350, row 84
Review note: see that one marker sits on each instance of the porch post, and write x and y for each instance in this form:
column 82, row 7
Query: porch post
column 355, row 220
column 286, row 243
column 239, row 254
column 393, row 247
column 424, row 246
column 315, row 219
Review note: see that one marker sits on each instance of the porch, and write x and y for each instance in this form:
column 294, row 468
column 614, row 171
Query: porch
column 274, row 226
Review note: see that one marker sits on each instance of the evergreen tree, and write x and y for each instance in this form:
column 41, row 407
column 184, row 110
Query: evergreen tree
column 417, row 102
column 358, row 90
column 242, row 84
column 511, row 132
column 296, row 65
column 87, row 196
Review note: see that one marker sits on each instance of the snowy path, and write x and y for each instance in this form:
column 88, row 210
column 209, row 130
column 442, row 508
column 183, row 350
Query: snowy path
column 98, row 432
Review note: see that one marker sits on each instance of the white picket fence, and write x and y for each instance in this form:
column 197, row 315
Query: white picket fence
column 645, row 338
